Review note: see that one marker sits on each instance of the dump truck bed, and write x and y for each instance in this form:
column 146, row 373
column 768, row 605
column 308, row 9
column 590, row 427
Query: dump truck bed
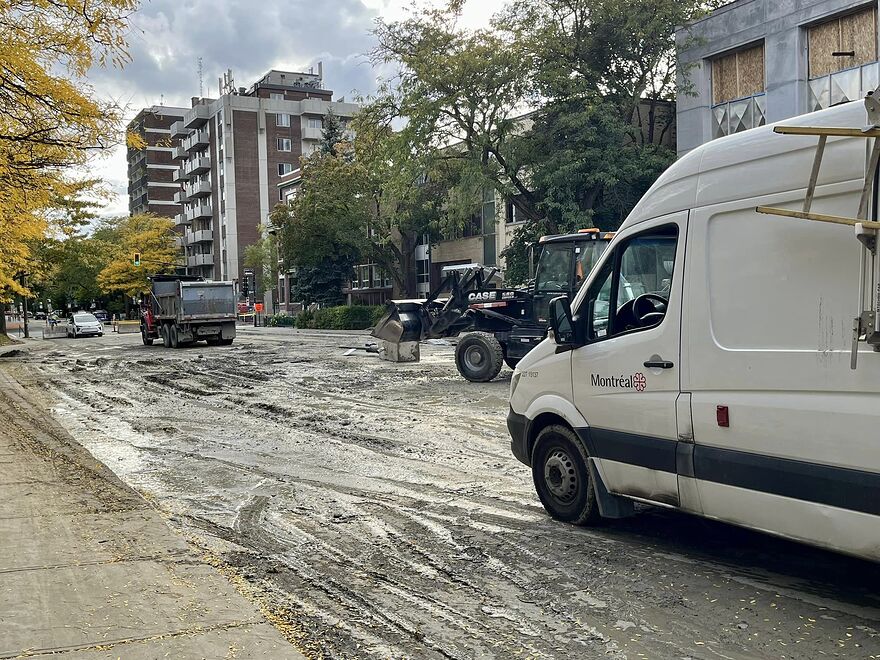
column 195, row 301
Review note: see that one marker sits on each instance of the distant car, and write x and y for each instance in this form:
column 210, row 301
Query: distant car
column 82, row 324
column 40, row 316
column 102, row 315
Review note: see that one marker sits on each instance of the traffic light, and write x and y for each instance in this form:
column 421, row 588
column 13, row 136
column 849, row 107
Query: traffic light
column 137, row 258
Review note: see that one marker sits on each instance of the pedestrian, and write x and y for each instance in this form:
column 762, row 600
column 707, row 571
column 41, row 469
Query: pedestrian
column 114, row 324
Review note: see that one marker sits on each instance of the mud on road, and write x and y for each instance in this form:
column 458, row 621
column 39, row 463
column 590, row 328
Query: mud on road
column 375, row 510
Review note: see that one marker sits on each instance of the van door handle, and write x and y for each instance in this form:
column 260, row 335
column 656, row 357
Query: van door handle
column 659, row 364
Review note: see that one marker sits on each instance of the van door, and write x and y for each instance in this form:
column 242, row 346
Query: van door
column 626, row 378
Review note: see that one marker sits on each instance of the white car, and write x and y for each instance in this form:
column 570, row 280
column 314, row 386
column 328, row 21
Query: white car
column 83, row 324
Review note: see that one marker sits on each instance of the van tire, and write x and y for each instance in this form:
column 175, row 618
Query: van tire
column 479, row 357
column 562, row 476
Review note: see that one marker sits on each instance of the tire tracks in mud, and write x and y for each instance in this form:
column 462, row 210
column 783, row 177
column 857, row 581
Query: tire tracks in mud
column 430, row 553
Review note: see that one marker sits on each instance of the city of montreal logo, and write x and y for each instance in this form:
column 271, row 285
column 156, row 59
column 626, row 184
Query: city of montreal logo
column 636, row 382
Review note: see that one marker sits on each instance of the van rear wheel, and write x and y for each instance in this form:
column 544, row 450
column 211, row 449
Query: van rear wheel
column 562, row 477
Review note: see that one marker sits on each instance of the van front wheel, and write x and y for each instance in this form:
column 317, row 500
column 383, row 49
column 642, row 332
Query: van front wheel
column 562, row 478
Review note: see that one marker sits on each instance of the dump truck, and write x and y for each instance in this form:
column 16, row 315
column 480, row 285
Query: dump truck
column 497, row 325
column 181, row 309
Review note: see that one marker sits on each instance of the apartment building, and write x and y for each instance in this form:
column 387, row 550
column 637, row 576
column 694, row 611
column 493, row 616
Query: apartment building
column 233, row 152
column 760, row 61
column 151, row 185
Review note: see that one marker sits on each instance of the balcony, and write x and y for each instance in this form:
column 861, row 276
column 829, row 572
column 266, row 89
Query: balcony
column 196, row 141
column 180, row 241
column 198, row 165
column 181, row 220
column 197, row 116
column 180, row 197
column 202, row 236
column 200, row 211
column 180, row 175
column 198, row 189
column 178, row 153
column 200, row 260
column 177, row 130
column 309, row 133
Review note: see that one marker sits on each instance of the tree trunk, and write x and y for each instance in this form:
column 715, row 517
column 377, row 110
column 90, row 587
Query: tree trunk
column 2, row 318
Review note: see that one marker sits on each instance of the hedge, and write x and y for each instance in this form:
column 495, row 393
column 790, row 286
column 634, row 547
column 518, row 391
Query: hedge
column 344, row 317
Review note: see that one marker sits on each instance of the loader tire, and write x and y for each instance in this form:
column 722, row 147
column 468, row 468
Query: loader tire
column 479, row 356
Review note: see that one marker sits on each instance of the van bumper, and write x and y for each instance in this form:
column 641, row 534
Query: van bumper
column 518, row 426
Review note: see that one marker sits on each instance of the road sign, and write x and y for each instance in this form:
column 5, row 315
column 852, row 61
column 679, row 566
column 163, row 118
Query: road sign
column 258, row 307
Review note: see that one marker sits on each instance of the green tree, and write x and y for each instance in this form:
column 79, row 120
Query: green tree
column 333, row 133
column 460, row 93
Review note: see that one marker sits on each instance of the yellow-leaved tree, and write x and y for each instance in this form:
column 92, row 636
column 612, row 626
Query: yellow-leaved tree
column 50, row 117
column 149, row 236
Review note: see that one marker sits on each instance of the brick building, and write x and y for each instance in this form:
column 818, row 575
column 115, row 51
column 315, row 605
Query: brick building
column 151, row 185
column 233, row 152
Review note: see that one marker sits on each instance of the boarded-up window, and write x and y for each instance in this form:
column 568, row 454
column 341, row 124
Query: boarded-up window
column 738, row 75
column 843, row 43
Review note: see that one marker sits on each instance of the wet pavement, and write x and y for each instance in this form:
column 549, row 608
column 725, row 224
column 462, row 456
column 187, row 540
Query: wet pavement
column 376, row 511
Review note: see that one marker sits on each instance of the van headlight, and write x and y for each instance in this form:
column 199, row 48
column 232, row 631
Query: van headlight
column 514, row 381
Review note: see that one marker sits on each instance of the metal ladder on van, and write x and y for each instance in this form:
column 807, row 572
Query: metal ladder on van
column 866, row 325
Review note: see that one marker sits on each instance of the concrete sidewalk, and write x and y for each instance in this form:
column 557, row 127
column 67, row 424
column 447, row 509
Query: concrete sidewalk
column 89, row 570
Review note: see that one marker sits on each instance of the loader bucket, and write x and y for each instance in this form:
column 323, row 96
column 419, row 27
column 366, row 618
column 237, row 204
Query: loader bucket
column 401, row 322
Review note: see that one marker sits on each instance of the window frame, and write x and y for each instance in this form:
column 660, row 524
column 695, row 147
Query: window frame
column 281, row 142
column 286, row 122
column 614, row 261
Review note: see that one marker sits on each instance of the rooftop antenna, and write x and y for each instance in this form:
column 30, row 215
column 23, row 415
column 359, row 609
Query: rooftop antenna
column 201, row 79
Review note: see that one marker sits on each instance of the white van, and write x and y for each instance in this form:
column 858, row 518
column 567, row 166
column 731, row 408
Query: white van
column 705, row 365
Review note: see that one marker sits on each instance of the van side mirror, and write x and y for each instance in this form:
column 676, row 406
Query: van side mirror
column 561, row 322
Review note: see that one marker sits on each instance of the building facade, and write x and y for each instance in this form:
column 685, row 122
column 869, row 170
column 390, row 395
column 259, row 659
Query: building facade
column 233, row 152
column 151, row 185
column 759, row 61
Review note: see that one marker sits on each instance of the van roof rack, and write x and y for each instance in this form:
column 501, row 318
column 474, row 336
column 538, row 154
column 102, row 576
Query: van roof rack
column 866, row 326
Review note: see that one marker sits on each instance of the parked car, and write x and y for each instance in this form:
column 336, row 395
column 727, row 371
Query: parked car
column 82, row 324
column 102, row 315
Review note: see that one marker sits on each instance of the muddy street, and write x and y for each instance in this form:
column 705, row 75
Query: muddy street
column 375, row 510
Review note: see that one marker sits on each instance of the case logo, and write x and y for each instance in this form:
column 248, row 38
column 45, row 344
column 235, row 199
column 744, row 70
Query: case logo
column 636, row 382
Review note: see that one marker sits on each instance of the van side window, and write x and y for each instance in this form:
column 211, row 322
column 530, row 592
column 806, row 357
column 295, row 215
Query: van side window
column 632, row 290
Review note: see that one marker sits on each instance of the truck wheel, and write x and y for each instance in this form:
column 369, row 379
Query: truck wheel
column 166, row 338
column 148, row 341
column 562, row 477
column 172, row 336
column 479, row 357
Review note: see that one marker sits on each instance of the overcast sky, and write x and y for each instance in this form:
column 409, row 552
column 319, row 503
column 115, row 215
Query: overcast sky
column 169, row 37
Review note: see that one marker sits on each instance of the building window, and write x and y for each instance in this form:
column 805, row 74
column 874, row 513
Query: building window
column 284, row 168
column 738, row 100
column 283, row 144
column 276, row 96
column 842, row 59
column 282, row 119
column 316, row 122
